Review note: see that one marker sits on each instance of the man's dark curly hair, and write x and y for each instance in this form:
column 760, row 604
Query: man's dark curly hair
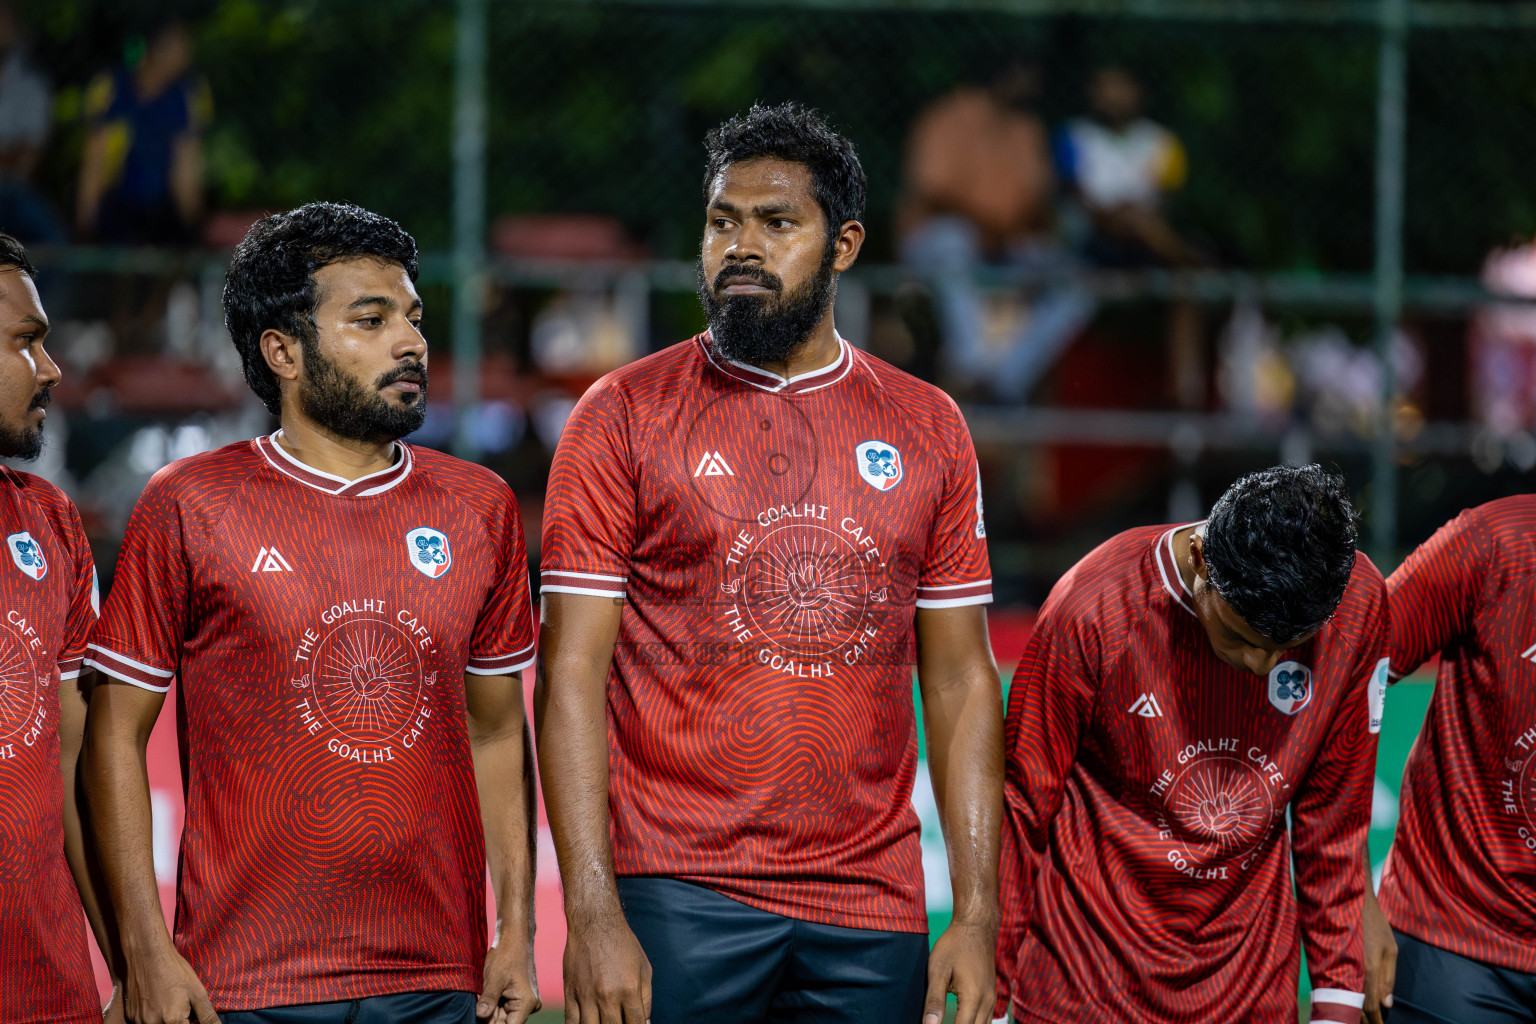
column 1279, row 548
column 271, row 281
column 13, row 254
column 800, row 135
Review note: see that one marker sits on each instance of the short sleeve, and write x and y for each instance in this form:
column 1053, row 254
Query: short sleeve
column 138, row 637
column 84, row 600
column 503, row 641
column 955, row 569
column 589, row 511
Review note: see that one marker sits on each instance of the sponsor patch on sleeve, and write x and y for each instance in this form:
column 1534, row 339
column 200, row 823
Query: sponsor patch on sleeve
column 1378, row 693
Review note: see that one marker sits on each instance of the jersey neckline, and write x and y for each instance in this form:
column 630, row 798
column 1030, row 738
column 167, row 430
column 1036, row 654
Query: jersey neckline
column 363, row 487
column 766, row 380
column 1168, row 567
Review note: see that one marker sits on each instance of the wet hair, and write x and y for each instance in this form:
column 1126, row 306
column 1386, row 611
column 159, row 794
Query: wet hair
column 271, row 281
column 1280, row 547
column 800, row 135
column 13, row 255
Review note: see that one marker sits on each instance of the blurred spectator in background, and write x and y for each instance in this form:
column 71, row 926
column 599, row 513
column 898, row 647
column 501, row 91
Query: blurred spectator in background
column 1118, row 165
column 978, row 191
column 141, row 172
column 25, row 116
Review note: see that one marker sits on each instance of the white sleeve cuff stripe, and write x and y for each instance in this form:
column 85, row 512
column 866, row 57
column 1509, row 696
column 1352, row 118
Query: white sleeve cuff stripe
column 150, row 669
column 958, row 586
column 497, row 670
column 1338, row 995
column 121, row 676
column 955, row 602
column 583, row 575
column 581, row 590
column 73, row 673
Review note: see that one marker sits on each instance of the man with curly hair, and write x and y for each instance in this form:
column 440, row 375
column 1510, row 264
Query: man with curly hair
column 1187, row 690
column 346, row 616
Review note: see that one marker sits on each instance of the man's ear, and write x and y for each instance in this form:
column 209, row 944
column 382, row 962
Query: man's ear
column 283, row 352
column 1197, row 553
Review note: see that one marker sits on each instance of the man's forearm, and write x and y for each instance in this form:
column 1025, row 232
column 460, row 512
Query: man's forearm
column 965, row 744
column 573, row 760
column 504, row 778
column 117, row 788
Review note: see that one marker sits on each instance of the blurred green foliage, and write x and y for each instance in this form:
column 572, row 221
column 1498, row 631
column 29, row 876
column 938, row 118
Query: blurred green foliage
column 601, row 107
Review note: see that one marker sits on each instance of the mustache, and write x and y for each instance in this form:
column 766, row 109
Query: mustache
column 758, row 274
column 417, row 370
column 41, row 399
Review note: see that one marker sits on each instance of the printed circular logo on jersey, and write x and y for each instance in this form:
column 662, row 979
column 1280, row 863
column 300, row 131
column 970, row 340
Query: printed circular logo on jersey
column 1290, row 687
column 360, row 672
column 27, row 553
column 428, row 551
column 744, row 445
column 806, row 589
column 22, row 716
column 1216, row 807
column 1519, row 787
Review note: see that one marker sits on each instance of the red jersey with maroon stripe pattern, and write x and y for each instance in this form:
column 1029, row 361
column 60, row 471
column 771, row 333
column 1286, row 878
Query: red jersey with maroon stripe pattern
column 48, row 590
column 1147, row 870
column 320, row 631
column 1461, row 874
column 772, row 540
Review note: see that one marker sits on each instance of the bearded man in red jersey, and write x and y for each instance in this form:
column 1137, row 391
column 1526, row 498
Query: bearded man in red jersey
column 346, row 615
column 742, row 534
column 1186, row 690
column 48, row 584
column 1459, row 885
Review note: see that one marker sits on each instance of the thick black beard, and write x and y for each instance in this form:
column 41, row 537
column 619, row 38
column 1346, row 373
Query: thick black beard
column 344, row 407
column 25, row 444
column 755, row 329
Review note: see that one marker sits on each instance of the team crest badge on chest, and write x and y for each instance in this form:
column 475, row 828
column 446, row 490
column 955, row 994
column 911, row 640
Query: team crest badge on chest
column 27, row 554
column 1290, row 687
column 428, row 551
column 879, row 464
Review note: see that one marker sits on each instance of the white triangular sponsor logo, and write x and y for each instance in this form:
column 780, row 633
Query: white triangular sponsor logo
column 1529, row 653
column 713, row 464
column 270, row 560
column 1146, row 706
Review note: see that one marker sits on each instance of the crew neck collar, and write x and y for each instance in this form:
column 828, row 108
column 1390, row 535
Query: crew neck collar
column 766, row 380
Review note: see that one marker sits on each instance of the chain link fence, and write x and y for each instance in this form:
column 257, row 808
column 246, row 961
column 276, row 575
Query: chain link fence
column 1167, row 377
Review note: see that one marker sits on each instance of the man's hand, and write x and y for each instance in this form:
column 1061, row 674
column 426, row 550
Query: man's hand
column 511, row 992
column 1380, row 959
column 962, row 962
column 162, row 988
column 607, row 977
column 112, row 1013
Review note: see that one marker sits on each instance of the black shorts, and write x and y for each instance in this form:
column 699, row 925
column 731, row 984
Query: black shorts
column 1437, row 987
column 714, row 959
column 401, row 1008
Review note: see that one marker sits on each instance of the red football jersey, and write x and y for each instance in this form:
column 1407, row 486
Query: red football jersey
column 48, row 586
column 1461, row 874
column 1147, row 867
column 772, row 540
column 321, row 630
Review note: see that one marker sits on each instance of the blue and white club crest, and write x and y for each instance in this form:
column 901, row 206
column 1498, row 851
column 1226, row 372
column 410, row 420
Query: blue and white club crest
column 428, row 551
column 1290, row 687
column 879, row 464
column 27, row 554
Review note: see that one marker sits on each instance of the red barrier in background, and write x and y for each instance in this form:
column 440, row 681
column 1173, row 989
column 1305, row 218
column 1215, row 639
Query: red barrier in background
column 165, row 797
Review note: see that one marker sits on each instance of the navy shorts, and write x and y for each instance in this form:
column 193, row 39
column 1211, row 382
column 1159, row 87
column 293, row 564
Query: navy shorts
column 714, row 959
column 402, row 1008
column 1437, row 987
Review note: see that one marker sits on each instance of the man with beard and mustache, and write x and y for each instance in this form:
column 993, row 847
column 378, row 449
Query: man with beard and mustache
column 49, row 589
column 743, row 536
column 347, row 616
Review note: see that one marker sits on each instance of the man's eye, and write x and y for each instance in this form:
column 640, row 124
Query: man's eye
column 372, row 321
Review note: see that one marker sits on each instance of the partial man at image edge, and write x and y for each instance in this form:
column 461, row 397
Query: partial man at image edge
column 1459, row 884
column 1186, row 687
column 48, row 585
column 345, row 616
column 744, row 535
